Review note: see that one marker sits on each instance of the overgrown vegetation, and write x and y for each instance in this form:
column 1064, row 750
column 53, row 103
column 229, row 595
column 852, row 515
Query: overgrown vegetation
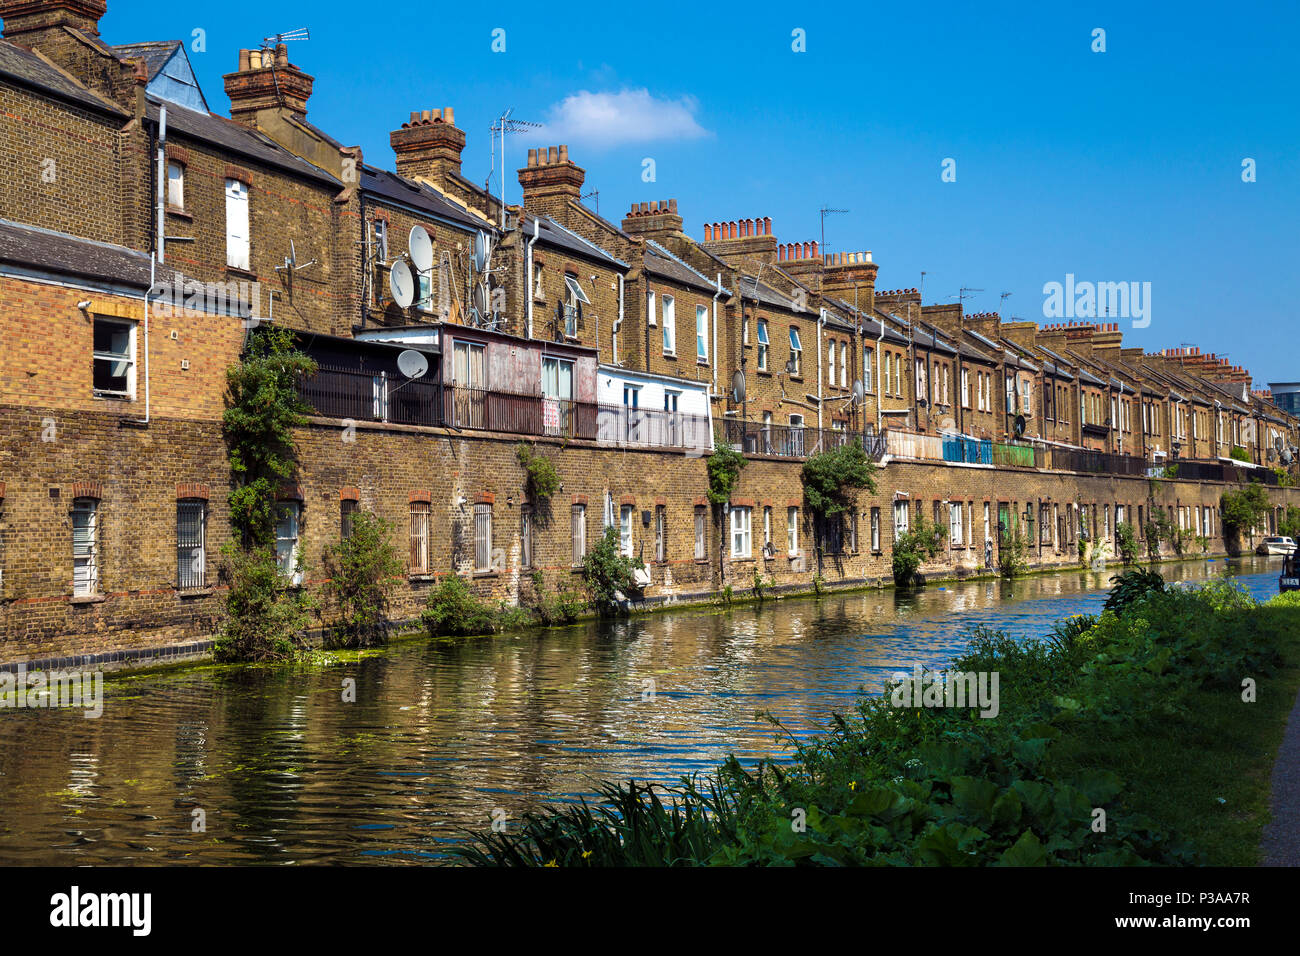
column 1125, row 542
column 1158, row 529
column 1243, row 511
column 724, row 467
column 542, row 479
column 452, row 610
column 1290, row 523
column 1082, row 714
column 1013, row 555
column 363, row 569
column 608, row 573
column 560, row 607
column 922, row 542
column 265, row 615
column 1132, row 586
column 1239, row 453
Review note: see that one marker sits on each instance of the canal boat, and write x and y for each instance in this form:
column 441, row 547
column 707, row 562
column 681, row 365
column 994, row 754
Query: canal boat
column 1290, row 579
column 1276, row 544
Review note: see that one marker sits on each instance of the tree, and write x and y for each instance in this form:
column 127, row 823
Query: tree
column 1243, row 510
column 831, row 481
column 912, row 548
column 608, row 572
column 362, row 569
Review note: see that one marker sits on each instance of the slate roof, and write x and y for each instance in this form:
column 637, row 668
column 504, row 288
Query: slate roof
column 399, row 189
column 25, row 67
column 553, row 234
column 43, row 250
column 155, row 54
column 659, row 261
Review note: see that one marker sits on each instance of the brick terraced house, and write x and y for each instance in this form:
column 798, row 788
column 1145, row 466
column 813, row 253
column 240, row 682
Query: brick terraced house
column 143, row 237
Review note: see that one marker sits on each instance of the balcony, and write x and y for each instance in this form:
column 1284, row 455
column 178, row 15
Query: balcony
column 362, row 396
column 793, row 441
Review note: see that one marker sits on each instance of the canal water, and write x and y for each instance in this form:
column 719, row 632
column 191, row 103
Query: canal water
column 442, row 736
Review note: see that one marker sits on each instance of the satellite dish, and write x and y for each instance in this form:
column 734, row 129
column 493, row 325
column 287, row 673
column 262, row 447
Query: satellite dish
column 1278, row 443
column 421, row 248
column 482, row 251
column 412, row 364
column 738, row 386
column 1020, row 425
column 858, row 391
column 789, row 366
column 480, row 299
column 401, row 283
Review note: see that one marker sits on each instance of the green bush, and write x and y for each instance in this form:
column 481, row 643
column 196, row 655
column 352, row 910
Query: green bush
column 265, row 616
column 1243, row 509
column 452, row 610
column 1013, row 556
column 562, row 607
column 1132, row 586
column 542, row 479
column 608, row 572
column 1125, row 542
column 1239, row 453
column 923, row 542
column 362, row 569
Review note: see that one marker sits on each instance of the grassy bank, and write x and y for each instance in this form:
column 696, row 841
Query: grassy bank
column 1118, row 740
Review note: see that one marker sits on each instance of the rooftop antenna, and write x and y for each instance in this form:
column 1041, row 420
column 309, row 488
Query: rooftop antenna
column 500, row 128
column 962, row 293
column 594, row 194
column 269, row 43
column 1002, row 299
column 824, row 212
column 921, row 291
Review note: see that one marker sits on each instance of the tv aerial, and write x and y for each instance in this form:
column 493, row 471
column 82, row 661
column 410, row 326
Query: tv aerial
column 291, row 261
column 500, row 129
column 270, row 43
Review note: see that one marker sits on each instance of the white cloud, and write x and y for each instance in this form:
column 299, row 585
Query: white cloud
column 629, row 116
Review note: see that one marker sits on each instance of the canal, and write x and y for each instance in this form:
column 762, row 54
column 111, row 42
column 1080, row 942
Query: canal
column 441, row 736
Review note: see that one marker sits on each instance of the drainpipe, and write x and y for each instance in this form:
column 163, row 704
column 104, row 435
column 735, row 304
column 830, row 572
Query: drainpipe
column 880, row 395
column 715, row 331
column 614, row 336
column 821, row 321
column 528, row 292
column 162, row 184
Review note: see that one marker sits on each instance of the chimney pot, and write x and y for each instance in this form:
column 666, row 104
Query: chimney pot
column 564, row 154
column 767, row 225
column 707, row 235
column 672, row 206
column 254, row 59
column 449, row 116
column 243, row 61
column 282, row 54
column 815, row 253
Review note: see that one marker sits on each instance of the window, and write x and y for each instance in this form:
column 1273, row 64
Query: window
column 670, row 325
column 1044, row 524
column 920, row 378
column 661, row 533
column 288, row 515
column 483, row 537
column 191, row 559
column 898, row 376
column 574, row 300
column 470, row 368
column 347, row 508
column 792, row 529
column 900, row 518
column 700, row 551
column 965, row 388
column 853, row 532
column 844, row 365
column 954, row 522
column 578, row 528
column 557, row 396
column 796, row 435
column 419, row 558
column 114, row 358
column 625, row 518
column 744, row 330
column 762, row 345
column 701, row 333
column 237, row 238
column 888, row 363
column 796, row 352
column 85, row 547
column 650, row 307
column 741, row 541
column 945, row 386
column 875, row 529
column 830, row 362
column 986, row 522
column 526, row 536
column 869, row 356
column 767, row 531
column 175, row 184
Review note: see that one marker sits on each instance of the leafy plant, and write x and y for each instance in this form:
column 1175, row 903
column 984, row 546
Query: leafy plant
column 1243, row 510
column 542, row 480
column 608, row 572
column 1013, row 556
column 562, row 607
column 761, row 585
column 452, row 610
column 362, row 569
column 923, row 542
column 1125, row 542
column 724, row 467
column 1132, row 586
column 265, row 616
column 1239, row 453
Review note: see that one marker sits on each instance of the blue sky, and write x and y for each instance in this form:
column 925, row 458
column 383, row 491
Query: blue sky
column 1117, row 166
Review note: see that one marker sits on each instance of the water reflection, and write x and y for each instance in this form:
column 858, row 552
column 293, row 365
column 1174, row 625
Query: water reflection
column 441, row 735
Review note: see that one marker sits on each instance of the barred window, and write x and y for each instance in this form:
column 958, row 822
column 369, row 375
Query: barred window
column 288, row 514
column 85, row 547
column 191, row 534
column 482, row 537
column 578, row 525
column 419, row 558
column 526, row 536
column 875, row 529
column 661, row 533
column 700, row 546
column 347, row 508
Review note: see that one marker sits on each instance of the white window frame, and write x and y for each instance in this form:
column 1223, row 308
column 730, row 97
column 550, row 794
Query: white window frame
column 701, row 536
column 796, row 351
column 742, row 541
column 191, row 554
column 87, row 556
column 418, row 556
column 670, row 325
column 902, row 516
column 483, row 536
column 763, row 345
column 175, row 184
column 701, row 333
column 287, row 557
column 955, row 523
column 116, row 357
column 844, row 365
column 626, row 530
column 238, row 236
column 578, row 532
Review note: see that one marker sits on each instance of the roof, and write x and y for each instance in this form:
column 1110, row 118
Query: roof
column 237, row 138
column 664, row 264
column 399, row 189
column 553, row 234
column 31, row 70
column 47, row 251
column 155, row 54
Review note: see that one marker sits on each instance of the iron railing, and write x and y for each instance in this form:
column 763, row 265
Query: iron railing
column 793, row 441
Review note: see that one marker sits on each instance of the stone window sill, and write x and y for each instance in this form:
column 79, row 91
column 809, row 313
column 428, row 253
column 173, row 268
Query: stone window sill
column 87, row 599
column 240, row 273
column 180, row 213
column 196, row 593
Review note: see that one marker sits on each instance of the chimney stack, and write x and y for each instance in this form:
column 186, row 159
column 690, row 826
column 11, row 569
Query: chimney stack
column 30, row 22
column 654, row 219
column 428, row 146
column 267, row 82
column 550, row 180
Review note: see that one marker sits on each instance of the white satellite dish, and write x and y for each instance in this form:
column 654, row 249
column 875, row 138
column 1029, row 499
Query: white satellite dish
column 421, row 248
column 482, row 251
column 738, row 387
column 412, row 364
column 401, row 283
column 858, row 391
column 480, row 300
